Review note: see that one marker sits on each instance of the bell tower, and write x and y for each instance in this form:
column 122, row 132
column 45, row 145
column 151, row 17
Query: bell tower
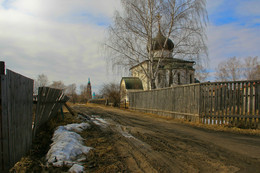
column 89, row 92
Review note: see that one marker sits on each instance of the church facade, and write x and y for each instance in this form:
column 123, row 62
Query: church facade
column 171, row 71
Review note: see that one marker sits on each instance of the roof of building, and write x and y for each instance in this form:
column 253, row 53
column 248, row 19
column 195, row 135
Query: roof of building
column 159, row 41
column 168, row 60
column 132, row 83
column 182, row 60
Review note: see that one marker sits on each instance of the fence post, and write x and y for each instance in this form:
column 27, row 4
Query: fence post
column 2, row 67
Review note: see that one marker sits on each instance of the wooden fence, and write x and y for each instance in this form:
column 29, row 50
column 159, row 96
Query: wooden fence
column 49, row 101
column 178, row 101
column 230, row 103
column 212, row 103
column 17, row 125
column 15, row 118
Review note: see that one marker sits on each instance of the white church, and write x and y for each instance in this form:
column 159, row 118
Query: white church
column 172, row 71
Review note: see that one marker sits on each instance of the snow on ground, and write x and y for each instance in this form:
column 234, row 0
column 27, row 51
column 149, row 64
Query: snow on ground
column 123, row 131
column 76, row 168
column 99, row 121
column 77, row 127
column 68, row 147
column 104, row 123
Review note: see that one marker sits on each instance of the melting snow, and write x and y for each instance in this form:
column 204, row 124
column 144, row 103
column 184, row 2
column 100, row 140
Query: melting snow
column 68, row 147
column 99, row 121
column 77, row 127
column 76, row 168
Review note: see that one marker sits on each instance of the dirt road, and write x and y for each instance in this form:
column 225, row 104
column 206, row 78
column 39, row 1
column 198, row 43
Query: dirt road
column 127, row 141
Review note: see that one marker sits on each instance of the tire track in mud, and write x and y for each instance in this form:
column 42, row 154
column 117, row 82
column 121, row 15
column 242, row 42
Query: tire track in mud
column 159, row 146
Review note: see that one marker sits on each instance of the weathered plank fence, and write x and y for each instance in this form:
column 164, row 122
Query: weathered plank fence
column 212, row 103
column 17, row 125
column 49, row 101
column 230, row 103
column 178, row 101
column 15, row 118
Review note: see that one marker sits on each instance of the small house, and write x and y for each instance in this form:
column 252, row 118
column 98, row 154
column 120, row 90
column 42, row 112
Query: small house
column 128, row 84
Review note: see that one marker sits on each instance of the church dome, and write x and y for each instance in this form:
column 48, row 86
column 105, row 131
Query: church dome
column 158, row 43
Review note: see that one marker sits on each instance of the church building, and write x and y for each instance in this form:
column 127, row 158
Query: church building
column 171, row 71
column 89, row 92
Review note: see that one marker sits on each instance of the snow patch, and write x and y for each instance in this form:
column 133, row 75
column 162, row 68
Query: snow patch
column 76, row 169
column 68, row 147
column 123, row 131
column 99, row 121
column 77, row 127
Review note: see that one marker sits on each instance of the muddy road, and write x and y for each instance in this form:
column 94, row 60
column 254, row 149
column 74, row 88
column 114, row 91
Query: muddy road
column 126, row 141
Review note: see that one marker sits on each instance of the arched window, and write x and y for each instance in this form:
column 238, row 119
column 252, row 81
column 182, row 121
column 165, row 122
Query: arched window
column 170, row 78
column 159, row 78
column 191, row 78
column 179, row 79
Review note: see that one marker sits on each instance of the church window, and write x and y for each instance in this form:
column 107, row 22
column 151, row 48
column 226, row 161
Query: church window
column 171, row 79
column 179, row 79
column 190, row 78
column 159, row 78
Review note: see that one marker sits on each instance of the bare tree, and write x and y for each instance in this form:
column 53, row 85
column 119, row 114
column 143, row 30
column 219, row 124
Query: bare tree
column 235, row 69
column 229, row 70
column 201, row 73
column 130, row 37
column 71, row 92
column 41, row 81
column 111, row 92
column 251, row 68
column 83, row 94
column 58, row 85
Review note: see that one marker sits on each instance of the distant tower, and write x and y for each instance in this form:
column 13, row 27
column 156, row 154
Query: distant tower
column 89, row 92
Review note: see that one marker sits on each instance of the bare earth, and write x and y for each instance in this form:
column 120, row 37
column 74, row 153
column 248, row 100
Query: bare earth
column 137, row 142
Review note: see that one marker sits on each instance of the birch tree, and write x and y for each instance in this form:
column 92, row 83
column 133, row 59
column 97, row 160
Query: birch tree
column 129, row 39
column 252, row 68
column 229, row 70
column 41, row 81
column 71, row 92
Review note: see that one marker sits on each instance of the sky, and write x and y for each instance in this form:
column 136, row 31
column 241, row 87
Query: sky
column 63, row 38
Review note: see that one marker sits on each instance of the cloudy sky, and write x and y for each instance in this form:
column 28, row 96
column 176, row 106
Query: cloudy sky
column 62, row 38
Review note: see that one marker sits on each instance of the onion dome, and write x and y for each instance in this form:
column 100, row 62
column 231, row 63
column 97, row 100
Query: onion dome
column 159, row 41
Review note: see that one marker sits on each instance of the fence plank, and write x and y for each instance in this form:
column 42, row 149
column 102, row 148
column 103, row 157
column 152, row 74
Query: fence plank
column 258, row 98
column 251, row 98
column 5, row 125
column 246, row 101
column 1, row 133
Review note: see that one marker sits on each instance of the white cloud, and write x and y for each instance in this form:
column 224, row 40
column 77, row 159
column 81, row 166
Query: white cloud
column 59, row 8
column 69, row 52
column 213, row 6
column 248, row 8
column 230, row 40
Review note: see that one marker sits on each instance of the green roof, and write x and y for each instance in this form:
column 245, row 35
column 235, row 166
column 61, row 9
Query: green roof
column 132, row 83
